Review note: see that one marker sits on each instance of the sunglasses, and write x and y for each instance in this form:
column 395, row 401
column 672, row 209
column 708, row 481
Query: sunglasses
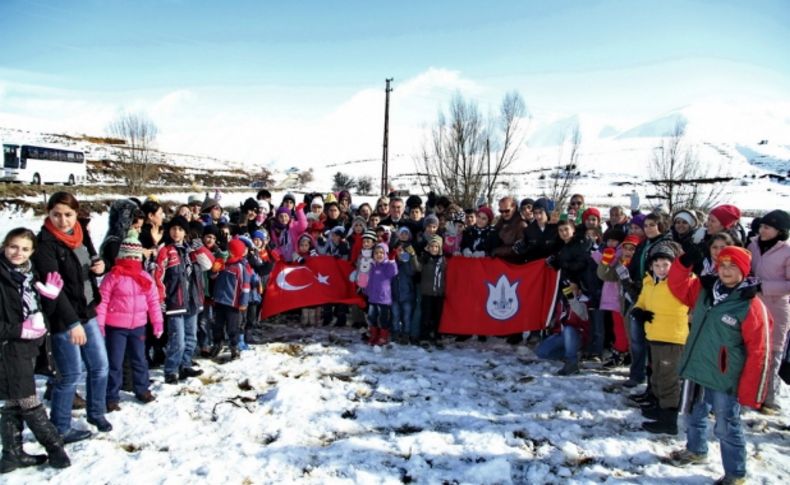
column 504, row 211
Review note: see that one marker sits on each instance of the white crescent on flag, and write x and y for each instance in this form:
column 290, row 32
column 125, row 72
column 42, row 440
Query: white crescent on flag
column 283, row 283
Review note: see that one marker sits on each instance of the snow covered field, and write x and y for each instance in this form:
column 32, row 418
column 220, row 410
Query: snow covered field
column 318, row 406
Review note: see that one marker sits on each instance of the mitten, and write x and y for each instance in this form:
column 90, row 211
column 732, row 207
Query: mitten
column 642, row 316
column 467, row 253
column 300, row 206
column 634, row 201
column 33, row 327
column 622, row 272
column 410, row 250
column 608, row 256
column 51, row 289
column 479, row 254
column 196, row 244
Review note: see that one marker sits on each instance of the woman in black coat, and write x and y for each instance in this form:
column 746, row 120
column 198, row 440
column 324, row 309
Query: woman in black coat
column 22, row 331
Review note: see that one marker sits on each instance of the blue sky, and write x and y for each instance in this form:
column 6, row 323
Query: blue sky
column 307, row 65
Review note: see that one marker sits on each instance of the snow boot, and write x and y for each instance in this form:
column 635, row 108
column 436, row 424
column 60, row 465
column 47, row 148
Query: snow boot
column 14, row 455
column 666, row 423
column 570, row 367
column 242, row 344
column 46, row 434
column 234, row 353
column 384, row 337
column 374, row 335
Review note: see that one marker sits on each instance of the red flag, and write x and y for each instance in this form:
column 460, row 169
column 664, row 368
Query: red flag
column 319, row 280
column 488, row 296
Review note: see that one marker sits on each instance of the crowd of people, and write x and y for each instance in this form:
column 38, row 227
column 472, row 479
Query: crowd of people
column 693, row 304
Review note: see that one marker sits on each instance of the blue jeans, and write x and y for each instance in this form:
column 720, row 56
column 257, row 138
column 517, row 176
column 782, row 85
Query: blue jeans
column 401, row 317
column 130, row 343
column 638, row 347
column 416, row 317
column 205, row 324
column 380, row 315
column 181, row 341
column 561, row 346
column 727, row 429
column 69, row 358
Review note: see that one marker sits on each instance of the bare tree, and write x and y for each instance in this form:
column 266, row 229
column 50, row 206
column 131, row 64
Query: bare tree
column 343, row 181
column 457, row 159
column 365, row 184
column 565, row 175
column 679, row 177
column 136, row 154
column 305, row 177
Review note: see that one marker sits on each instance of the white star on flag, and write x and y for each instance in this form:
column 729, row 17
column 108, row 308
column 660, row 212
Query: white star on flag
column 324, row 280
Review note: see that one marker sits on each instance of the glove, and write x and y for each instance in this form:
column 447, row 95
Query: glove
column 608, row 256
column 552, row 261
column 33, row 327
column 410, row 250
column 634, row 201
column 467, row 253
column 642, row 316
column 622, row 272
column 353, row 276
column 692, row 256
column 52, row 288
column 479, row 254
column 520, row 247
column 300, row 206
column 196, row 244
column 218, row 265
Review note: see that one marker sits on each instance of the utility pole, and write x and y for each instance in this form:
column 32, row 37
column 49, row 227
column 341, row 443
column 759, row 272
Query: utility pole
column 385, row 155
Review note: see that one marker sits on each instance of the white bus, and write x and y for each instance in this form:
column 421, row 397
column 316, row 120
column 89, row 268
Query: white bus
column 42, row 164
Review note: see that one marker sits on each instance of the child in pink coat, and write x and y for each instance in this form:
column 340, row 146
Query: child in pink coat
column 129, row 299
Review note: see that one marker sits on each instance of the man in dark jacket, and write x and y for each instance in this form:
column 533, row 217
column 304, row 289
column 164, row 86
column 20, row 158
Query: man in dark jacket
column 507, row 231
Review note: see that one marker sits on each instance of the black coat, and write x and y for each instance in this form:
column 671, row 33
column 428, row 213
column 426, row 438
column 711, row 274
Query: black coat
column 573, row 259
column 17, row 356
column 70, row 306
column 540, row 244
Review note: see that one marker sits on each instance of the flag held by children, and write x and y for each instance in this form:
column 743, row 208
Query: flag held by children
column 319, row 280
column 488, row 296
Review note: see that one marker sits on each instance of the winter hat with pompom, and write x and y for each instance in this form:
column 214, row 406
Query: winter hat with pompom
column 131, row 247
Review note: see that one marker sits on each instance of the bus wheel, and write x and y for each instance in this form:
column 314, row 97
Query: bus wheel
column 71, row 180
column 36, row 180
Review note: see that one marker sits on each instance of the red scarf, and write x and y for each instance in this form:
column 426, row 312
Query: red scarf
column 73, row 240
column 133, row 269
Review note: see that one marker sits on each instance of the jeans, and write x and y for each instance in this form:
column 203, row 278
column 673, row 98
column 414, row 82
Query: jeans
column 598, row 331
column 69, row 358
column 561, row 346
column 416, row 318
column 181, row 342
column 727, row 429
column 380, row 315
column 401, row 317
column 638, row 346
column 129, row 343
column 205, row 323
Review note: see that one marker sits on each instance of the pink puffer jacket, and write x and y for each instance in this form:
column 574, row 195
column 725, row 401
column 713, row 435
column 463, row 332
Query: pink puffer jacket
column 124, row 304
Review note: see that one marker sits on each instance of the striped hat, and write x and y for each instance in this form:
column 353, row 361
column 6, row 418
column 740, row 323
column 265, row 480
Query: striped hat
column 131, row 247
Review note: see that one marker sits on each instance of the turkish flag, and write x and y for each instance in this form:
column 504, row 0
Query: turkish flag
column 317, row 281
column 487, row 296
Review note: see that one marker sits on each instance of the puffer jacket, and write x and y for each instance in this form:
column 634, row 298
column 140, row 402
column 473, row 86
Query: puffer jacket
column 670, row 316
column 124, row 304
column 773, row 269
column 728, row 349
column 379, row 288
column 433, row 275
column 610, row 291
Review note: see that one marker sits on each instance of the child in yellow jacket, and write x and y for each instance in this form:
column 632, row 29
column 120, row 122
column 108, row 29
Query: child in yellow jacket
column 666, row 328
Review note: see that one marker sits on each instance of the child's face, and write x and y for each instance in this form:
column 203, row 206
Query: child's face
column 415, row 214
column 566, row 232
column 225, row 231
column 304, row 245
column 430, row 229
column 258, row 242
column 333, row 212
column 374, row 221
column 283, row 218
column 470, row 219
column 628, row 251
column 459, row 227
column 403, row 236
column 367, row 243
column 18, row 250
column 434, row 249
column 661, row 267
column 637, row 230
column 336, row 238
column 177, row 234
column 379, row 255
column 612, row 243
column 359, row 228
column 209, row 240
column 482, row 220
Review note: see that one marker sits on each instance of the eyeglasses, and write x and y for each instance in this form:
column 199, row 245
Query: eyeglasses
column 504, row 211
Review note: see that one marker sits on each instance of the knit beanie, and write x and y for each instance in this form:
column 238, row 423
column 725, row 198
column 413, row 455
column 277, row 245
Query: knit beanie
column 436, row 240
column 778, row 219
column 210, row 230
column 260, row 234
column 284, row 210
column 368, row 234
column 209, row 204
column 592, row 211
column 384, row 247
column 614, row 233
column 180, row 221
column 544, row 204
column 727, row 214
column 687, row 216
column 639, row 220
column 488, row 212
column 250, row 205
column 526, row 201
column 131, row 247
column 236, row 249
column 631, row 239
column 430, row 219
column 738, row 256
column 404, row 230
column 413, row 201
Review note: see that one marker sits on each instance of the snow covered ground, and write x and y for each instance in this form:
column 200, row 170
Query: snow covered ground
column 318, row 406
